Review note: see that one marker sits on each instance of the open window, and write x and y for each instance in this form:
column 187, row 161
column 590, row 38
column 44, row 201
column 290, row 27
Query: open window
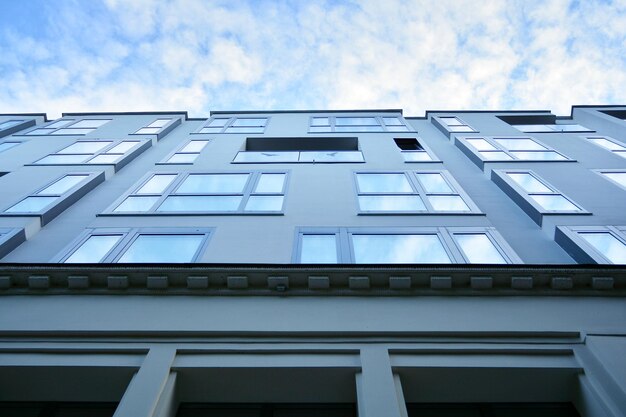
column 300, row 150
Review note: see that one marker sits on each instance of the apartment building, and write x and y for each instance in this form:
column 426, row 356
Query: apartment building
column 313, row 263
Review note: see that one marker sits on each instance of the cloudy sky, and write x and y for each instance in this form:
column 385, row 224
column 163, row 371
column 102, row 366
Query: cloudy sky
column 198, row 55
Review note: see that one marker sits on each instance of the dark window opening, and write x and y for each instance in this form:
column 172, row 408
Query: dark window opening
column 408, row 144
column 493, row 410
column 266, row 410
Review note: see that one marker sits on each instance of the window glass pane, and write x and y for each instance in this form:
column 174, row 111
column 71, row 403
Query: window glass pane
column 481, row 144
column 63, row 159
column 539, row 156
column 618, row 177
column 554, row 202
column 31, row 205
column 194, row 146
column 570, row 128
column 72, row 131
column 148, row 131
column 608, row 245
column 242, row 129
column 389, row 249
column 90, row 123
column 460, row 129
column 383, row 183
column 211, row 130
column 39, row 132
column 529, row 183
column 320, row 121
column 7, row 145
column 356, row 121
column 141, row 204
column 62, row 185
column 319, row 129
column 533, row 128
column 182, row 158
column 448, row 203
column 495, row 155
column 391, row 203
column 221, row 122
column 451, row 121
column 331, row 156
column 94, row 249
column 359, row 129
column 200, row 203
column 162, row 248
column 434, row 183
column 397, row 128
column 159, row 123
column 270, row 183
column 416, row 156
column 278, row 156
column 157, row 184
column 214, row 183
column 478, row 248
column 123, row 147
column 9, row 123
column 250, row 122
column 522, row 144
column 104, row 159
column 84, row 147
column 58, row 124
column 392, row 121
column 264, row 203
column 605, row 143
column 620, row 153
column 318, row 249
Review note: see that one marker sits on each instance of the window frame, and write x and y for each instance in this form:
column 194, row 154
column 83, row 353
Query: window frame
column 24, row 124
column 345, row 247
column 164, row 130
column 124, row 159
column 602, row 172
column 619, row 152
column 248, row 191
column 63, row 200
column 66, row 126
column 475, row 154
column 568, row 237
column 10, row 238
column 332, row 120
column 522, row 197
column 229, row 124
column 548, row 129
column 128, row 237
column 165, row 161
column 10, row 140
column 444, row 127
column 425, row 149
column 418, row 190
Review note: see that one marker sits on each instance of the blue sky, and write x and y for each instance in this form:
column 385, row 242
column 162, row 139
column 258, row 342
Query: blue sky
column 198, row 55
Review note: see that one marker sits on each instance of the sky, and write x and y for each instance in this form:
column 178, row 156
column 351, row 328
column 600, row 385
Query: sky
column 198, row 55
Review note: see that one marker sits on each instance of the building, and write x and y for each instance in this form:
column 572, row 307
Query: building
column 310, row 263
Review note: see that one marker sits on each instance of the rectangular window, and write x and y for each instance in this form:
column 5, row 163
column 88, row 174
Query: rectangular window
column 5, row 146
column 220, row 124
column 68, row 127
column 7, row 124
column 616, row 176
column 300, row 150
column 609, row 144
column 453, row 124
column 551, row 128
column 413, row 151
column 159, row 127
column 405, row 246
column 338, row 124
column 186, row 154
column 96, row 152
column 411, row 192
column 205, row 193
column 55, row 197
column 510, row 149
column 137, row 246
column 534, row 195
column 594, row 244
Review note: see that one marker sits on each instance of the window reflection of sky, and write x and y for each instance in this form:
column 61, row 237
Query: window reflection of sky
column 391, row 203
column 94, row 249
column 608, row 245
column 383, row 183
column 163, row 248
column 389, row 249
column 318, row 249
column 478, row 248
column 554, row 202
column 213, row 183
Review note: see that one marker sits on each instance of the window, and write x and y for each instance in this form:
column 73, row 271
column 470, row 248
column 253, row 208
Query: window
column 510, row 149
column 594, row 244
column 234, row 125
column 68, row 127
column 453, row 124
column 411, row 192
column 337, row 124
column 11, row 126
column 609, row 144
column 7, row 124
column 160, row 127
column 534, row 194
column 549, row 128
column 97, row 152
column 5, row 146
column 10, row 238
column 616, row 176
column 49, row 201
column 300, row 150
column 188, row 153
column 137, row 246
column 205, row 193
column 402, row 245
column 413, row 151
